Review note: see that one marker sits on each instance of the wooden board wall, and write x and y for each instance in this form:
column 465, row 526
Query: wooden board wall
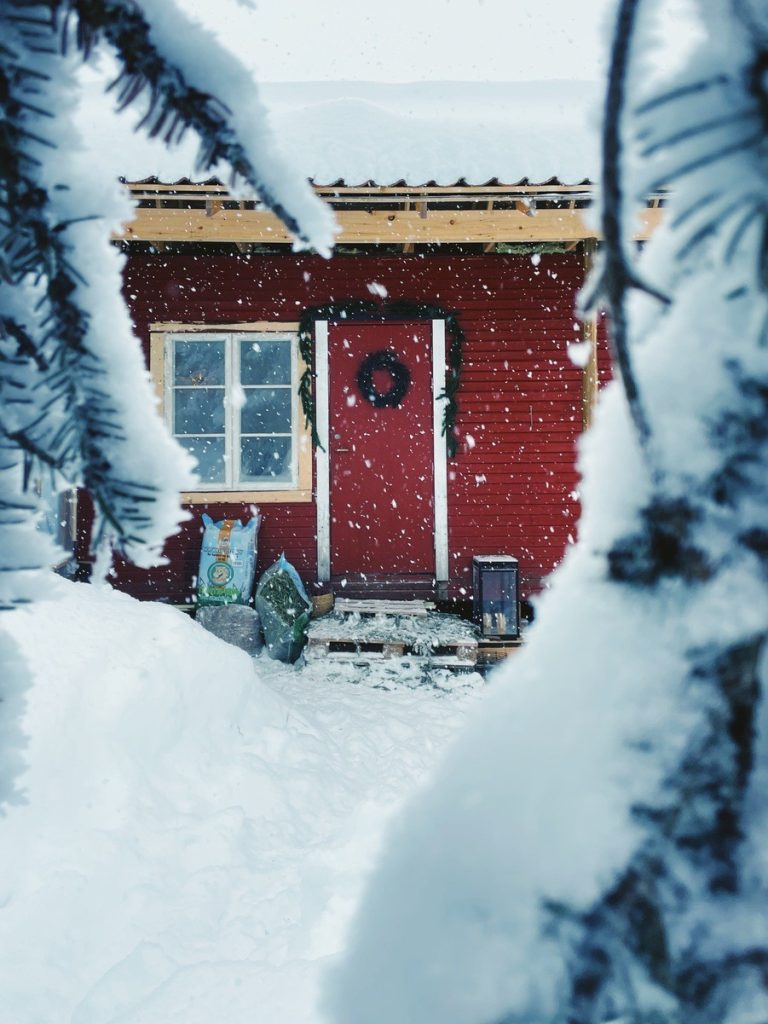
column 512, row 487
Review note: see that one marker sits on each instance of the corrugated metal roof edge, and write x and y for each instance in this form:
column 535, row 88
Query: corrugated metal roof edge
column 400, row 183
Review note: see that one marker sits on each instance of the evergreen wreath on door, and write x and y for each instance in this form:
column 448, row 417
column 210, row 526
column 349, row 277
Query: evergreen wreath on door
column 365, row 309
column 398, row 371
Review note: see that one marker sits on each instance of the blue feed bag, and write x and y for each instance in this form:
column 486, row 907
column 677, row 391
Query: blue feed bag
column 227, row 561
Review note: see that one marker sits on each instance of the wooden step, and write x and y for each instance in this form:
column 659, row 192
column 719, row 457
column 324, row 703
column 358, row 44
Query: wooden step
column 349, row 606
column 374, row 586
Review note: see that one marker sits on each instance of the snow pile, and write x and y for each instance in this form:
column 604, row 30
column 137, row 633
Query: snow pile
column 593, row 848
column 530, row 807
column 416, row 132
column 424, row 633
column 194, row 840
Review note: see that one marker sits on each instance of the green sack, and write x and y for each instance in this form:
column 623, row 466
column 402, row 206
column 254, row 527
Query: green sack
column 284, row 609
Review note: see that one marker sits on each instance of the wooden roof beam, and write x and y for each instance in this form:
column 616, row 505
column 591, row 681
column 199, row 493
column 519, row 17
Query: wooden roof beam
column 375, row 227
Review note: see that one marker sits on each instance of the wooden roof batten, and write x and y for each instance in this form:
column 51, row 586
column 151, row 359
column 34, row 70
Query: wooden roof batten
column 371, row 214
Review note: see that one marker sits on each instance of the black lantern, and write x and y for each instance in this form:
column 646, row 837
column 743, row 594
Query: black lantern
column 496, row 608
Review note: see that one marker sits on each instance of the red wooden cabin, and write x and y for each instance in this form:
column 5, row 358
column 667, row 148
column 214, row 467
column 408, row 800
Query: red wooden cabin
column 380, row 507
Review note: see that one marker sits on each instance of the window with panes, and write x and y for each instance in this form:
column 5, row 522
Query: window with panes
column 231, row 401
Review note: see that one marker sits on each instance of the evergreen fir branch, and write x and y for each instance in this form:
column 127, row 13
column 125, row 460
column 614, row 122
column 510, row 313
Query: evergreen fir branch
column 706, row 160
column 681, row 92
column 749, row 216
column 25, row 343
column 695, row 131
column 684, row 213
column 693, row 831
column 175, row 104
column 616, row 276
column 690, row 242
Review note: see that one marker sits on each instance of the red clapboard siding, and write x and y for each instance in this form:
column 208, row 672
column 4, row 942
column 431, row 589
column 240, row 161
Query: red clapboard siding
column 511, row 486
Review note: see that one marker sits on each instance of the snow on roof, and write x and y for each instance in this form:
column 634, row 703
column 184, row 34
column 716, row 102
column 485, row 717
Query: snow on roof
column 362, row 132
column 437, row 131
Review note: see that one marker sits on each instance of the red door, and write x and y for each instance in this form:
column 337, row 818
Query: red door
column 381, row 448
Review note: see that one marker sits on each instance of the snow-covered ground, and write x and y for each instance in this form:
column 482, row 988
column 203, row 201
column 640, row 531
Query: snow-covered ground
column 197, row 833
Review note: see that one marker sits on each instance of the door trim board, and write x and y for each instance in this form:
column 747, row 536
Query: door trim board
column 323, row 462
column 440, row 476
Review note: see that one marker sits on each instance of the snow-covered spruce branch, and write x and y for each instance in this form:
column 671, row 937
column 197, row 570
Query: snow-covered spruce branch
column 57, row 405
column 593, row 848
column 65, row 339
column 647, row 945
column 178, row 81
column 616, row 276
column 75, row 398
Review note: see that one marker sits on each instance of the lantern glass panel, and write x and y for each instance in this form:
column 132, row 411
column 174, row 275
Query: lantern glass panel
column 498, row 602
column 496, row 595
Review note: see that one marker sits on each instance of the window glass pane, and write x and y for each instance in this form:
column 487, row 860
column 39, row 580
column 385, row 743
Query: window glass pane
column 265, row 458
column 266, row 411
column 209, row 452
column 265, row 362
column 198, row 411
column 198, row 363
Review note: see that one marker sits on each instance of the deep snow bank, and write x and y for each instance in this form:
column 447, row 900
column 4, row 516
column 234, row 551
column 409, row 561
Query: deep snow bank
column 194, row 840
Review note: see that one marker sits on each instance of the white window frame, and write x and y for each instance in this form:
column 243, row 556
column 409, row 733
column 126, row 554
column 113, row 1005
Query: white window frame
column 299, row 488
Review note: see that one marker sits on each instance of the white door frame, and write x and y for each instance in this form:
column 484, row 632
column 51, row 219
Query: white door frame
column 440, row 468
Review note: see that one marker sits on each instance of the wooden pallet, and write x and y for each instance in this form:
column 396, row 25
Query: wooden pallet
column 364, row 652
column 367, row 631
column 491, row 652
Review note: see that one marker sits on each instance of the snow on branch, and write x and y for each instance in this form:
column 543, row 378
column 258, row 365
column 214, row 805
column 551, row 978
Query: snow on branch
column 75, row 396
column 76, row 402
column 593, row 848
column 192, row 83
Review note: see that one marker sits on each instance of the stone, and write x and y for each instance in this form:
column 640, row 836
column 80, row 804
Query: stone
column 236, row 624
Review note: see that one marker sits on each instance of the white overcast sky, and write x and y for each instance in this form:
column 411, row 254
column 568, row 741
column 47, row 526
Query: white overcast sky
column 414, row 40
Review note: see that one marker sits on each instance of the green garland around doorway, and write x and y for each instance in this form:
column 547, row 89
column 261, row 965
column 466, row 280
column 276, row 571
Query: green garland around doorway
column 367, row 309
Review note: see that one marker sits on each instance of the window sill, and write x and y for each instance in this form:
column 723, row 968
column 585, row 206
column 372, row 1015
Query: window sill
column 293, row 497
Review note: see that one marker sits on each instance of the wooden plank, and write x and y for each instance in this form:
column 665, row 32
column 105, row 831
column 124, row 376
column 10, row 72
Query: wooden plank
column 439, row 452
column 276, row 327
column 404, row 200
column 490, row 246
column 493, row 655
column 321, row 458
column 589, row 336
column 408, row 246
column 383, row 606
column 157, row 366
column 316, row 648
column 393, row 650
column 373, row 226
column 297, row 497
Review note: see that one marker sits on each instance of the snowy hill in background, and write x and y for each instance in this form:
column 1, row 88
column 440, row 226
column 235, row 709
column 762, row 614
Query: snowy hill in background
column 417, row 132
column 441, row 131
column 195, row 839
